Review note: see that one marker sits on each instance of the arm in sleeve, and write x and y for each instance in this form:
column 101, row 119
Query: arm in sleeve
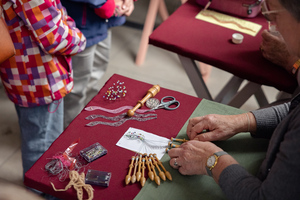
column 54, row 31
column 103, row 8
column 107, row 10
column 267, row 119
column 282, row 181
column 92, row 3
column 237, row 183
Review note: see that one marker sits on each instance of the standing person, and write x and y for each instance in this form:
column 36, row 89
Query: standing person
column 39, row 75
column 93, row 18
column 278, row 176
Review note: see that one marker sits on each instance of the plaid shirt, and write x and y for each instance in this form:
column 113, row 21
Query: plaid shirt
column 44, row 38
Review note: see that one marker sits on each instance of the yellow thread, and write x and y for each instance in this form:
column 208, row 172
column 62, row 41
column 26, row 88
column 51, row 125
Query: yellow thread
column 77, row 181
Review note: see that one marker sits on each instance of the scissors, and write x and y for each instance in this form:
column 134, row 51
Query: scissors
column 165, row 103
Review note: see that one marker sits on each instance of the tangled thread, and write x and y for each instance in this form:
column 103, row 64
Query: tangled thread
column 78, row 182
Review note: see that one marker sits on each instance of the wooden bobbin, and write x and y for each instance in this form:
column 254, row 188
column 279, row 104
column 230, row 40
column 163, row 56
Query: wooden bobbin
column 150, row 173
column 160, row 173
column 175, row 146
column 178, row 140
column 171, row 145
column 128, row 176
column 139, row 174
column 150, row 93
column 168, row 175
column 143, row 179
column 133, row 177
column 156, row 178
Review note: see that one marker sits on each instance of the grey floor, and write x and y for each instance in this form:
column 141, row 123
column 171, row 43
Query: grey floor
column 160, row 67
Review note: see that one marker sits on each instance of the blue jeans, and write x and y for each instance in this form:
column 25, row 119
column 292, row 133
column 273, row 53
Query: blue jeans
column 39, row 126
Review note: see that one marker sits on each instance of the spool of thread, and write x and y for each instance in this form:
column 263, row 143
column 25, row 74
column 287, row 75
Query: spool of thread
column 237, row 38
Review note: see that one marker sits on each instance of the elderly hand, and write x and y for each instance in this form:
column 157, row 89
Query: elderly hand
column 219, row 127
column 275, row 50
column 191, row 157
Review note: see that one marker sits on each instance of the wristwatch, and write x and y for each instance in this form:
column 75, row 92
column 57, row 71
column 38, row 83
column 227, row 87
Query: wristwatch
column 296, row 66
column 213, row 160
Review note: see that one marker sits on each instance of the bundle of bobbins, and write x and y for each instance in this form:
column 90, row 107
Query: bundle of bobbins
column 173, row 145
column 138, row 165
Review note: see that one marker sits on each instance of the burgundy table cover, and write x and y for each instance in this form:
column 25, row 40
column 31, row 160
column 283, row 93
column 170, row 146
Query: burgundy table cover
column 167, row 124
column 183, row 34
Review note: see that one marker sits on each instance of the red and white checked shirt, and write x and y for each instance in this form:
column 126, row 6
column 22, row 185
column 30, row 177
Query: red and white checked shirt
column 44, row 38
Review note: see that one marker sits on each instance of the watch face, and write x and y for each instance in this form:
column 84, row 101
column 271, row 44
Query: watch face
column 152, row 102
column 211, row 161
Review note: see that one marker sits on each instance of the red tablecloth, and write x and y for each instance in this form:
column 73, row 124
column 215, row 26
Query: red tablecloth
column 168, row 124
column 183, row 34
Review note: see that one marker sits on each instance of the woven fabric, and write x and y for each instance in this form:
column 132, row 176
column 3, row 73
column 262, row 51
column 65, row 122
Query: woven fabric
column 117, row 159
column 44, row 38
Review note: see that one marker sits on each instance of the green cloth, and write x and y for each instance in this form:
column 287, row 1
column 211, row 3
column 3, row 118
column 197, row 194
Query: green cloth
column 249, row 152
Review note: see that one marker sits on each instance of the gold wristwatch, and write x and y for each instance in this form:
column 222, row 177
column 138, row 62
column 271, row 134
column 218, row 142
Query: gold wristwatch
column 213, row 160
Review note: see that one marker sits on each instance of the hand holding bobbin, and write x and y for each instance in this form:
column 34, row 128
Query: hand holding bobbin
column 151, row 93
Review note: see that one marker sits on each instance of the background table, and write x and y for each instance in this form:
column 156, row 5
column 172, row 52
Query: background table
column 249, row 152
column 194, row 39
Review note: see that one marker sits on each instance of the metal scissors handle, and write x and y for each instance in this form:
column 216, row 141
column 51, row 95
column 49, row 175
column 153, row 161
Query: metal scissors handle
column 167, row 101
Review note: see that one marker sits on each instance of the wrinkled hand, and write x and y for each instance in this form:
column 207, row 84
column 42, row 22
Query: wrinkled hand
column 191, row 157
column 217, row 127
column 275, row 50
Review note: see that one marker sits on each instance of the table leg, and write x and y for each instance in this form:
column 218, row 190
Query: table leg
column 261, row 98
column 154, row 5
column 229, row 90
column 162, row 10
column 195, row 77
column 244, row 94
column 231, row 94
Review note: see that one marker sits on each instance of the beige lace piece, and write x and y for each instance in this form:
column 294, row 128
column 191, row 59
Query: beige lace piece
column 77, row 181
column 230, row 22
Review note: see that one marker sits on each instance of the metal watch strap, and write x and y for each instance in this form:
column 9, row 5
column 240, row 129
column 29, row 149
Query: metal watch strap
column 218, row 154
column 208, row 171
